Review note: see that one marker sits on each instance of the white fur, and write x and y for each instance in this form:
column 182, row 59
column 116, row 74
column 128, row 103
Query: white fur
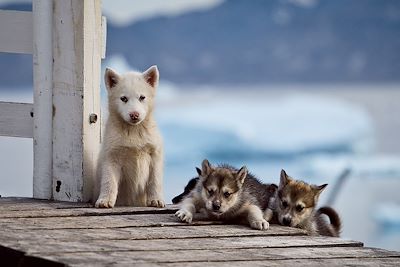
column 130, row 166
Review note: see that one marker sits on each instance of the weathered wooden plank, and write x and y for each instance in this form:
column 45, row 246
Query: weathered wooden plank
column 104, row 36
column 8, row 204
column 39, row 209
column 16, row 33
column 77, row 42
column 220, row 255
column 153, row 237
column 16, row 119
column 42, row 98
column 93, row 49
column 140, row 233
column 95, row 222
column 367, row 262
column 55, row 245
column 72, row 211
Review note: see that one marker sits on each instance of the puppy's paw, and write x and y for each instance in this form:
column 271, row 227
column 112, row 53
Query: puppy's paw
column 104, row 203
column 155, row 203
column 259, row 225
column 184, row 215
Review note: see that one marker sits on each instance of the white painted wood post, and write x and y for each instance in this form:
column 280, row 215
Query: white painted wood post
column 77, row 48
column 42, row 98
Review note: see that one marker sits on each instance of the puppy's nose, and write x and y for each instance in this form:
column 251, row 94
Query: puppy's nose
column 134, row 115
column 216, row 206
column 286, row 221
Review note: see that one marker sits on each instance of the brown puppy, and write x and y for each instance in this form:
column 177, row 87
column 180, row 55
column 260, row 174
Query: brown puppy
column 295, row 205
column 227, row 194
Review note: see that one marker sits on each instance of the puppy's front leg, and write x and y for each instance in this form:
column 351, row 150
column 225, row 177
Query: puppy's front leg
column 110, row 178
column 188, row 208
column 255, row 218
column 268, row 214
column 154, row 188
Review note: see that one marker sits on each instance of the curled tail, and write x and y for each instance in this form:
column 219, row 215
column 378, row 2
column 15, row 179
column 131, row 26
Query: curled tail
column 188, row 188
column 333, row 218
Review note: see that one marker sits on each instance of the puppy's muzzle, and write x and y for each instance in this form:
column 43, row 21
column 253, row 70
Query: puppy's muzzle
column 216, row 206
column 286, row 221
column 134, row 116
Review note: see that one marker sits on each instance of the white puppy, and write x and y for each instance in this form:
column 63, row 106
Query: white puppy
column 130, row 166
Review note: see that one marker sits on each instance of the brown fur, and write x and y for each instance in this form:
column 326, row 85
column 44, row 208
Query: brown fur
column 295, row 204
column 228, row 194
column 333, row 228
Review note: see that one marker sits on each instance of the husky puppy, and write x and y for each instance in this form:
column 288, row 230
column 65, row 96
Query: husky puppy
column 130, row 166
column 295, row 204
column 227, row 194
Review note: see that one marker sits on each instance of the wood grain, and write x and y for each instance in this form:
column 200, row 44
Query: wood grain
column 366, row 262
column 46, row 211
column 42, row 98
column 217, row 256
column 53, row 245
column 72, row 234
column 77, row 42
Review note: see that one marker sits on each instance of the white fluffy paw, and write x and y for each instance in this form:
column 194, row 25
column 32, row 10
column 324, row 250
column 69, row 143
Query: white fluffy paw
column 259, row 225
column 184, row 215
column 155, row 203
column 104, row 203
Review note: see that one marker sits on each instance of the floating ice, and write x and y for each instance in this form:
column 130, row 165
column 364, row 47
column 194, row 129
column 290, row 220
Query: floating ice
column 283, row 127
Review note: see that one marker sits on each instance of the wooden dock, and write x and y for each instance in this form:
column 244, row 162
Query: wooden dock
column 45, row 233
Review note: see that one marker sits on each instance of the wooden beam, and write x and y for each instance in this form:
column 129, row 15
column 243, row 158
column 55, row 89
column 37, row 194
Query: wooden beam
column 104, row 35
column 77, row 46
column 216, row 256
column 42, row 98
column 16, row 119
column 85, row 244
column 16, row 33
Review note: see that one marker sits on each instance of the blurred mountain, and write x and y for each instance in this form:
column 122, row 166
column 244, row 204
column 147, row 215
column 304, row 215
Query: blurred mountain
column 263, row 41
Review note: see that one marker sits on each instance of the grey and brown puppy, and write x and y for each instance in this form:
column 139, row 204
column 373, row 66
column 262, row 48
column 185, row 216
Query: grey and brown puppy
column 228, row 194
column 295, row 206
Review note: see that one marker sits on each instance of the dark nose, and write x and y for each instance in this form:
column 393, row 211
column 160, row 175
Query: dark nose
column 134, row 115
column 286, row 221
column 216, row 206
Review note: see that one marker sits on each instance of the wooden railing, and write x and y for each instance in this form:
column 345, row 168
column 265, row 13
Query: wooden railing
column 67, row 42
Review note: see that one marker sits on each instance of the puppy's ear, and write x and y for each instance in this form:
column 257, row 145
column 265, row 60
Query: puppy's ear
column 111, row 78
column 206, row 168
column 284, row 180
column 151, row 75
column 318, row 190
column 198, row 171
column 241, row 174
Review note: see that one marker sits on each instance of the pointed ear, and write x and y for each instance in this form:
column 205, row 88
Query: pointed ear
column 151, row 76
column 241, row 174
column 206, row 168
column 318, row 190
column 198, row 171
column 284, row 180
column 111, row 78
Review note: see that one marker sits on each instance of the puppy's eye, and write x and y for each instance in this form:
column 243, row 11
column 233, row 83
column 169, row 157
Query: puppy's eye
column 227, row 194
column 141, row 98
column 124, row 99
column 210, row 192
column 299, row 208
column 284, row 203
